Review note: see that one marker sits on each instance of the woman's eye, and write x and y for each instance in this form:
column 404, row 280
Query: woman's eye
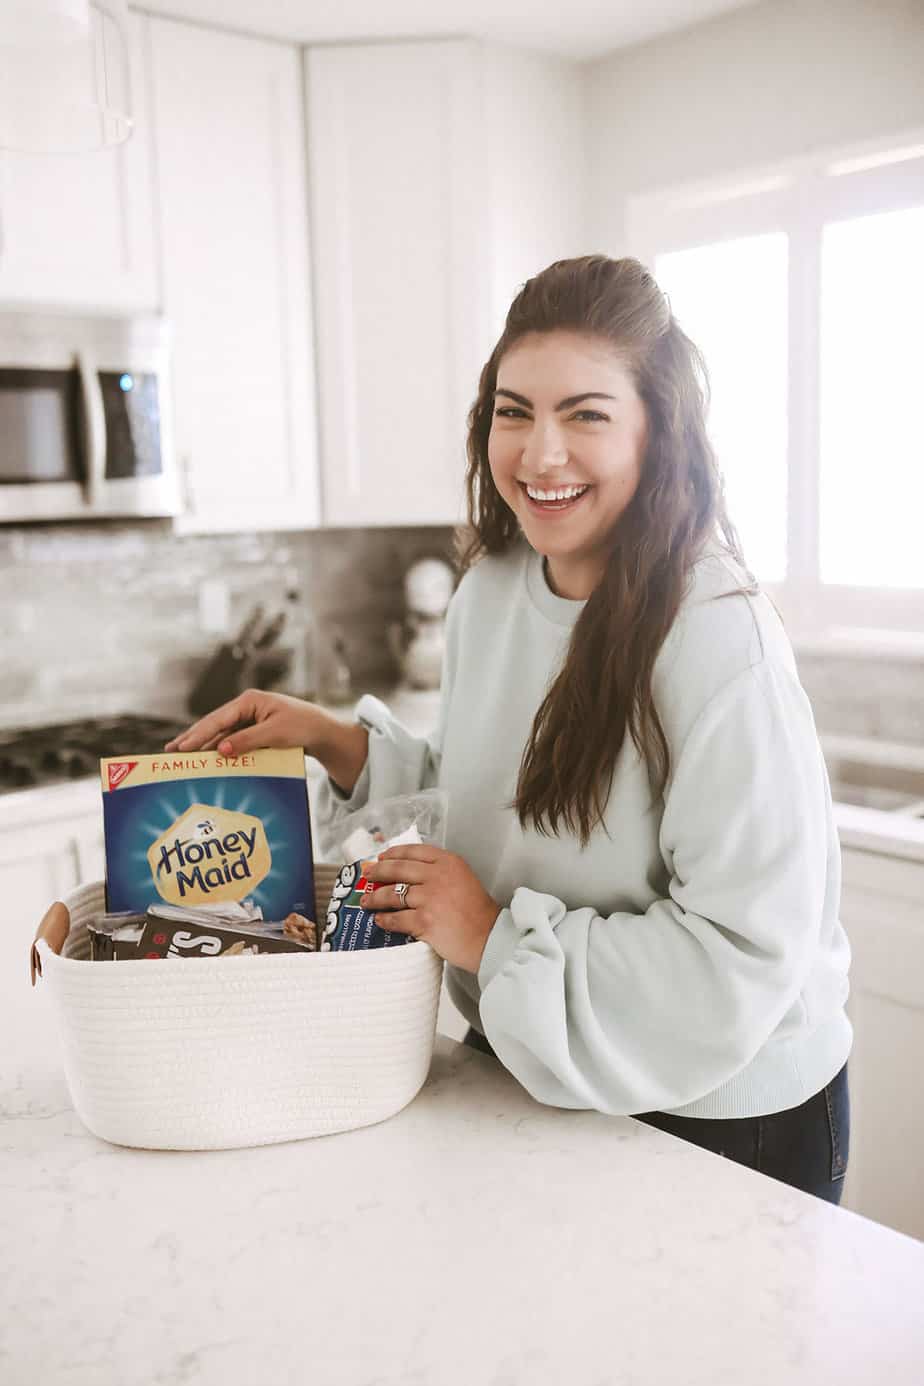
column 513, row 411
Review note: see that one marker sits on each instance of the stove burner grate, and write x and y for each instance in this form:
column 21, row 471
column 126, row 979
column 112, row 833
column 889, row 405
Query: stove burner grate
column 72, row 750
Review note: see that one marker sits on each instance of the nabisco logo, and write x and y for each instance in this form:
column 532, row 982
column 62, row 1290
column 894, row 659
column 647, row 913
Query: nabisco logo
column 119, row 771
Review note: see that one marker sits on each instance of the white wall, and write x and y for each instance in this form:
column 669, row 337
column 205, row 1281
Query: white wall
column 767, row 82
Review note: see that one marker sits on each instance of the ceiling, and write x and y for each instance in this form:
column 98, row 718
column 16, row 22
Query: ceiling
column 582, row 29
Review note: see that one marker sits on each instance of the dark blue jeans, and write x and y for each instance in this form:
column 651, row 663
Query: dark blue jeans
column 806, row 1146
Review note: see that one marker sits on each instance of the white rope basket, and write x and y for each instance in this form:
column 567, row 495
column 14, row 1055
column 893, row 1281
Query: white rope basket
column 218, row 1053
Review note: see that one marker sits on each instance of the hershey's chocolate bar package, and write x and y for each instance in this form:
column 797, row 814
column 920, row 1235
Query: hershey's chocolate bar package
column 178, row 938
column 115, row 935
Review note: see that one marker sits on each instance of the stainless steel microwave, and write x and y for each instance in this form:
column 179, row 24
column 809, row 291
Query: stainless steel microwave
column 85, row 428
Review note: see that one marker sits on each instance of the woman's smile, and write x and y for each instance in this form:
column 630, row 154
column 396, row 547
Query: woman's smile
column 553, row 501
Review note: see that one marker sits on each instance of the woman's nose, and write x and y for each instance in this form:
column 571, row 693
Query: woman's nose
column 545, row 448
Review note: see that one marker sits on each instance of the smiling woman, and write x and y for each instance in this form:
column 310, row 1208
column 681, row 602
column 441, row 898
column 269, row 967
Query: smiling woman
column 638, row 902
column 597, row 330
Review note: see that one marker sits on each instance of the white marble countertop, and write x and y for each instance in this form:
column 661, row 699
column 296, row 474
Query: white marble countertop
column 476, row 1237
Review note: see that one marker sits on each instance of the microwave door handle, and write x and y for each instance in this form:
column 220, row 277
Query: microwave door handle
column 96, row 427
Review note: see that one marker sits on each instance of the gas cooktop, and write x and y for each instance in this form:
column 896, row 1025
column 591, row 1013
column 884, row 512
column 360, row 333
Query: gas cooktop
column 71, row 750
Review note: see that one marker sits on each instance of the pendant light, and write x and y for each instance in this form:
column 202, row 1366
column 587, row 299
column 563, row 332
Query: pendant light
column 64, row 75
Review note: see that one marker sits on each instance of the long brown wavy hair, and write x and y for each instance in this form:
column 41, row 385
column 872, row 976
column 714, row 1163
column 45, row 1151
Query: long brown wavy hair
column 604, row 686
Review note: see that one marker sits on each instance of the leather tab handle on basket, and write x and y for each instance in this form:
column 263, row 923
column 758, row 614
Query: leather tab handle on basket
column 54, row 929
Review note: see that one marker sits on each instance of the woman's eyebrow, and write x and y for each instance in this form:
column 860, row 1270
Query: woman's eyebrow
column 568, row 403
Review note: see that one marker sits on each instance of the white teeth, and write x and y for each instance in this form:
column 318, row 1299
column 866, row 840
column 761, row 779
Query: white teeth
column 563, row 493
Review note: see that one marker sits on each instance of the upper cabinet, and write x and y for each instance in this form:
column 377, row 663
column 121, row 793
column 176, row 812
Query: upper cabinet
column 398, row 273
column 78, row 230
column 229, row 132
column 532, row 184
column 443, row 174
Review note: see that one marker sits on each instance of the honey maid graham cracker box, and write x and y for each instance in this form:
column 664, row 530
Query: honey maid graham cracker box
column 196, row 828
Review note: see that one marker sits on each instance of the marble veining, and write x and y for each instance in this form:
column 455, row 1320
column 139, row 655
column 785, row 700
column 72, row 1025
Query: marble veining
column 476, row 1237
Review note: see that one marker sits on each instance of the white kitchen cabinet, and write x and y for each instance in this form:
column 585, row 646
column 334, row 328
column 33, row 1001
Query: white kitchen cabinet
column 229, row 127
column 78, row 230
column 50, row 841
column 396, row 234
column 442, row 175
column 42, row 860
column 883, row 912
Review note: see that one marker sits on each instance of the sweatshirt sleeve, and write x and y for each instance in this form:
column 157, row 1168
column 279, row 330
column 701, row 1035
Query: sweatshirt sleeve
column 633, row 1013
column 398, row 762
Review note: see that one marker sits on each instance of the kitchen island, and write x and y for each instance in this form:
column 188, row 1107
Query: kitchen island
column 476, row 1238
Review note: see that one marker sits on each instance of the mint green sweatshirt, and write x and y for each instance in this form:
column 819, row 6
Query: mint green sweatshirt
column 690, row 959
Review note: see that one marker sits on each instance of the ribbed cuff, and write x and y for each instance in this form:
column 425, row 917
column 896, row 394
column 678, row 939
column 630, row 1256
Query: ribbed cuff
column 499, row 949
column 370, row 712
column 358, row 794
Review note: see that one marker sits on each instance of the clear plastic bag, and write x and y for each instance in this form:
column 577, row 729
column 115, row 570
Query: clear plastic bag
column 368, row 831
column 360, row 839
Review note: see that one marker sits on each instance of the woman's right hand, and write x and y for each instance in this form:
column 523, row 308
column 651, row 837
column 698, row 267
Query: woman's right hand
column 253, row 721
column 256, row 721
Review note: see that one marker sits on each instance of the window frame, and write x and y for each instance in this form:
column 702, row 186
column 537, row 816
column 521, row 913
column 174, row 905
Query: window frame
column 798, row 196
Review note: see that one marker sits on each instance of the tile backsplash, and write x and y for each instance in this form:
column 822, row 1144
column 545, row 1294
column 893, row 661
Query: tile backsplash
column 872, row 695
column 107, row 618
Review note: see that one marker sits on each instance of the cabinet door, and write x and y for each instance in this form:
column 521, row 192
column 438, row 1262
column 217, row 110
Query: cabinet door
column 884, row 919
column 400, row 282
column 233, row 211
column 37, row 864
column 77, row 230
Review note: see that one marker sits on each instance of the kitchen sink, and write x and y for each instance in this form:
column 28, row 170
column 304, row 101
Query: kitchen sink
column 876, row 775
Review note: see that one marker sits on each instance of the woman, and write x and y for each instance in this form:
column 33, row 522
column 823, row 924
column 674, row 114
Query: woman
column 639, row 904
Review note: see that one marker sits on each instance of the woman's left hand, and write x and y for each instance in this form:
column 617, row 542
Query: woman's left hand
column 445, row 904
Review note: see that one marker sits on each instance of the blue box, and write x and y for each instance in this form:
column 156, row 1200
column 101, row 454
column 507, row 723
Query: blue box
column 198, row 828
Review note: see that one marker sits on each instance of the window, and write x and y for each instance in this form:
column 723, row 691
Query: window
column 731, row 299
column 804, row 287
column 872, row 440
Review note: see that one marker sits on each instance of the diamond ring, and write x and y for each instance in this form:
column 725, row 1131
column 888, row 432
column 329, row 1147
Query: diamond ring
column 401, row 890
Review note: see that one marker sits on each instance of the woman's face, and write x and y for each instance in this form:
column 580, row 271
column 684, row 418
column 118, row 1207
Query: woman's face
column 566, row 447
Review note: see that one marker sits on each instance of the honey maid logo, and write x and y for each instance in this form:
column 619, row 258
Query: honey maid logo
column 209, row 854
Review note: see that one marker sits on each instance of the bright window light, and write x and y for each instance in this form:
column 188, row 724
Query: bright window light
column 731, row 299
column 872, row 437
